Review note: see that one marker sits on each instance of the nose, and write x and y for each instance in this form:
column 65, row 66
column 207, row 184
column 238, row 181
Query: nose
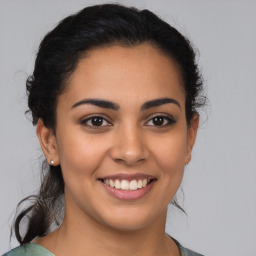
column 129, row 147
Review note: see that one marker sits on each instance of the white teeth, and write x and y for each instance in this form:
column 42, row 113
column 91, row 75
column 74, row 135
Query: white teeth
column 139, row 183
column 144, row 183
column 127, row 185
column 117, row 184
column 133, row 185
column 111, row 183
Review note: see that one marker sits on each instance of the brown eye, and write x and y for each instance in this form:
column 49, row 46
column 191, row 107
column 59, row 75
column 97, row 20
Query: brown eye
column 160, row 121
column 95, row 121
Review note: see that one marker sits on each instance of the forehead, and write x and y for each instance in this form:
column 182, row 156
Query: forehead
column 117, row 72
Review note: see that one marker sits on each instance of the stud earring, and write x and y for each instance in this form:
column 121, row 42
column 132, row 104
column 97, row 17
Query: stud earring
column 52, row 162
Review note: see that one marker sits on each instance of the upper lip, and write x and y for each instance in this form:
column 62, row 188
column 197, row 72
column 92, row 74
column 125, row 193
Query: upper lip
column 129, row 177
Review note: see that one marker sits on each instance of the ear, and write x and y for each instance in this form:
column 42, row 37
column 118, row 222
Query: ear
column 192, row 132
column 48, row 143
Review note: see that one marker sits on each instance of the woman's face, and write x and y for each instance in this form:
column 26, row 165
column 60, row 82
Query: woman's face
column 121, row 137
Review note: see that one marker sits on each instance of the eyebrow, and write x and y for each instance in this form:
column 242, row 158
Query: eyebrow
column 111, row 105
column 159, row 102
column 99, row 103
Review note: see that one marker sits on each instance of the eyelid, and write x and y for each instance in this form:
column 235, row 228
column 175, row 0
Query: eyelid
column 84, row 120
column 171, row 120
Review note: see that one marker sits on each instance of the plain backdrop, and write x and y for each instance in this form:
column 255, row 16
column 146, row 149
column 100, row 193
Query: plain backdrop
column 220, row 183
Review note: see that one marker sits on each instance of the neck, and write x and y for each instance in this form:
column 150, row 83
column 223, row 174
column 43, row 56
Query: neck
column 82, row 235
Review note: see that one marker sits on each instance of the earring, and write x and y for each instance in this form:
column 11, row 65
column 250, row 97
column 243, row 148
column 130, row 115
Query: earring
column 52, row 162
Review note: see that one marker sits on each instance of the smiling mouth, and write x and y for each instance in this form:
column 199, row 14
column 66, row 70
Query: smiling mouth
column 128, row 185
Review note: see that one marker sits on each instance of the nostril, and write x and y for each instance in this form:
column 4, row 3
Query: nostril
column 119, row 160
column 129, row 161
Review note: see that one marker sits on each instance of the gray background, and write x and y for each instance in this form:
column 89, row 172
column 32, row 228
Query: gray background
column 220, row 183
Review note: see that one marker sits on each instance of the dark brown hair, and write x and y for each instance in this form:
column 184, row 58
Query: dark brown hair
column 57, row 57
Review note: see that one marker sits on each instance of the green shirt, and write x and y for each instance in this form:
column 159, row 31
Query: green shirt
column 33, row 249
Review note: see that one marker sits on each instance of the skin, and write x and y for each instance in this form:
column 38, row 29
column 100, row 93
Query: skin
column 127, row 142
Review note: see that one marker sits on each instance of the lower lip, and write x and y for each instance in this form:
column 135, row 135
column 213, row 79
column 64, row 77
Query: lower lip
column 128, row 194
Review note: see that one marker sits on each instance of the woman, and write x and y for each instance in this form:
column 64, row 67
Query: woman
column 114, row 95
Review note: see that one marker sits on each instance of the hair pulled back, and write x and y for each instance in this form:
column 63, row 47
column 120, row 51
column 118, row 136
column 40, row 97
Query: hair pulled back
column 57, row 57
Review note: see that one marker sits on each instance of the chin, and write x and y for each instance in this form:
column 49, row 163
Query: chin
column 131, row 219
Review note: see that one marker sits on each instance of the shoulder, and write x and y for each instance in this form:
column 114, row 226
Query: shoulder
column 186, row 252
column 37, row 250
column 30, row 249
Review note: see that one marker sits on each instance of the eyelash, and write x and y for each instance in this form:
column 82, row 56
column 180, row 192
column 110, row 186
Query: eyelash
column 166, row 119
column 85, row 121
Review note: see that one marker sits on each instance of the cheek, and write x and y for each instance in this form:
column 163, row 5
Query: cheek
column 80, row 155
column 170, row 157
column 171, row 154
